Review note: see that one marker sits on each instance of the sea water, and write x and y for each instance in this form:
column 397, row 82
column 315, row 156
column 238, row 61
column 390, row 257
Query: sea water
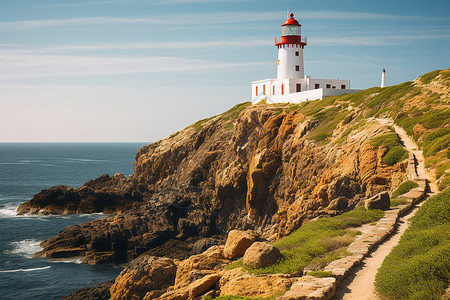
column 26, row 169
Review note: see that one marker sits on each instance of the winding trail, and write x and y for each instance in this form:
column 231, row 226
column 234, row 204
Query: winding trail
column 359, row 284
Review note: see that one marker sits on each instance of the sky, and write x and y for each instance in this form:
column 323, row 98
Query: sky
column 139, row 70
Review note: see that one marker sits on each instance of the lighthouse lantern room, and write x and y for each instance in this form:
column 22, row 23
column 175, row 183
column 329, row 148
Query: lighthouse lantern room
column 291, row 84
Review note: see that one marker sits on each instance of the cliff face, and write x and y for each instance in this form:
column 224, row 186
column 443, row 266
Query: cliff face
column 256, row 167
column 269, row 168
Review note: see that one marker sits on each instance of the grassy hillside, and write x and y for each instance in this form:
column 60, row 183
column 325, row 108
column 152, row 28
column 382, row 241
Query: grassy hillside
column 421, row 107
column 419, row 266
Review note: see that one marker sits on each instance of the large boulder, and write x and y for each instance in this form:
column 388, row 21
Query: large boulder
column 261, row 255
column 379, row 201
column 145, row 274
column 237, row 243
column 202, row 285
column 253, row 286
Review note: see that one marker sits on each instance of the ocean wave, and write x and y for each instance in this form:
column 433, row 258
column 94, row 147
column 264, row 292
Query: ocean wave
column 25, row 248
column 25, row 270
column 72, row 260
column 84, row 160
column 8, row 210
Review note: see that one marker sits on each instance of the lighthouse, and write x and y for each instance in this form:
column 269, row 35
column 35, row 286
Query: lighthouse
column 290, row 50
column 291, row 84
column 383, row 78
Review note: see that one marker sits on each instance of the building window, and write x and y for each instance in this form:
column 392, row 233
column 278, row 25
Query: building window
column 257, row 91
column 297, row 68
column 316, row 86
column 333, row 87
column 343, row 86
column 297, row 53
column 328, row 86
column 282, row 89
column 299, row 87
column 273, row 90
column 264, row 89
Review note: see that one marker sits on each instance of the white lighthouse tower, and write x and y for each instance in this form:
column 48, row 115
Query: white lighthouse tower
column 291, row 84
column 290, row 50
column 383, row 78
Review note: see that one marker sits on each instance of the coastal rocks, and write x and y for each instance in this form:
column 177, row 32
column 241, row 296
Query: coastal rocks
column 379, row 201
column 261, row 255
column 99, row 292
column 105, row 194
column 237, row 243
column 146, row 274
column 310, row 287
column 202, row 285
column 256, row 286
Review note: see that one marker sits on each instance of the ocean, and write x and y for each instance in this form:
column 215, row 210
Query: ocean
column 26, row 169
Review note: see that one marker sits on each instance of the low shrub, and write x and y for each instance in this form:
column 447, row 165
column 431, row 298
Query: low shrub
column 404, row 188
column 395, row 154
column 318, row 241
column 321, row 274
column 419, row 266
column 398, row 201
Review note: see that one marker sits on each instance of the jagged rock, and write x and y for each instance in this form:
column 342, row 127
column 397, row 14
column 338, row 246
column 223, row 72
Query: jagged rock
column 261, row 255
column 237, row 242
column 99, row 292
column 379, row 201
column 105, row 194
column 253, row 286
column 146, row 274
column 197, row 266
column 202, row 285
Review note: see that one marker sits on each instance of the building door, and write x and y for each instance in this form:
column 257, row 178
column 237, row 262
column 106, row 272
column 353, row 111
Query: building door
column 256, row 90
column 264, row 89
column 299, row 87
column 282, row 89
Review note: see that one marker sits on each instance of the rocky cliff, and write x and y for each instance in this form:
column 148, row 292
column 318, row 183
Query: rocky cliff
column 269, row 168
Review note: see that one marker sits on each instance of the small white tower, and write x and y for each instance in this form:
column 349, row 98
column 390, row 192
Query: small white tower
column 290, row 50
column 383, row 78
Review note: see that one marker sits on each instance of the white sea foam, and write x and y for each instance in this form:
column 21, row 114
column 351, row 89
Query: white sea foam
column 84, row 159
column 8, row 210
column 25, row 270
column 72, row 260
column 25, row 248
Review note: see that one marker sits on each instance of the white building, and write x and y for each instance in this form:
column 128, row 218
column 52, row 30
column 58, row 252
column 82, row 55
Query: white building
column 291, row 84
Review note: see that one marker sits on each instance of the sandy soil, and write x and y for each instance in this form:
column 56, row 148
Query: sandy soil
column 359, row 284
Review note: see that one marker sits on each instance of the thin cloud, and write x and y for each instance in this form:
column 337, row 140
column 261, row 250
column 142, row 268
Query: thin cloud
column 15, row 66
column 199, row 19
column 148, row 45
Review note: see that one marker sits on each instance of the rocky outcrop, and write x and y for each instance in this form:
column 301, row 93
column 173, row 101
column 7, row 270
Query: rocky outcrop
column 105, row 194
column 237, row 243
column 261, row 255
column 99, row 292
column 147, row 274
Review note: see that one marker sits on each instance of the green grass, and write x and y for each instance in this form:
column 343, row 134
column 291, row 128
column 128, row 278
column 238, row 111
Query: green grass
column 319, row 241
column 321, row 274
column 404, row 188
column 398, row 201
column 428, row 77
column 395, row 153
column 419, row 266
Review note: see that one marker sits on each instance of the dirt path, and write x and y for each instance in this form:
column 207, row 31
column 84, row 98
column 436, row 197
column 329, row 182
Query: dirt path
column 359, row 284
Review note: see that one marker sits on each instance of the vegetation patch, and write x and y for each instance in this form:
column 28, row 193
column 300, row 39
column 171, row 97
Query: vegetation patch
column 419, row 266
column 428, row 77
column 234, row 298
column 321, row 274
column 395, row 153
column 398, row 201
column 318, row 241
column 404, row 188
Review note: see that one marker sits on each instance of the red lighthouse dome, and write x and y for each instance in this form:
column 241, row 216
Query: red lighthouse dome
column 291, row 21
